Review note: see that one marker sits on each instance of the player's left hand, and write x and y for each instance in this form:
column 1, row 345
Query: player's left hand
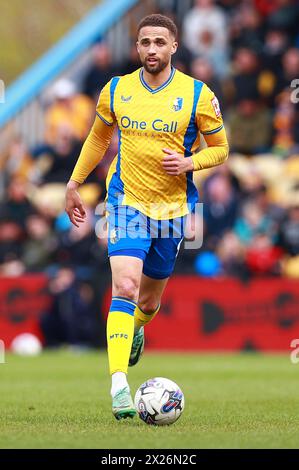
column 175, row 163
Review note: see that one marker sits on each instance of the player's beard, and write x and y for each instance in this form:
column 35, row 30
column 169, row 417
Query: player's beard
column 155, row 69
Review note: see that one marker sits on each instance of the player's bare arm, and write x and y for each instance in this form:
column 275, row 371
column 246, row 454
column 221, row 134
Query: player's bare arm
column 73, row 204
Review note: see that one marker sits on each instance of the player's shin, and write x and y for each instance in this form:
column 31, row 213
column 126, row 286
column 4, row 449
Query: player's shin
column 142, row 318
column 120, row 330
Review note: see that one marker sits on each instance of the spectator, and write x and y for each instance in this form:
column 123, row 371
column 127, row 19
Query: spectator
column 62, row 156
column 100, row 72
column 246, row 29
column 40, row 245
column 250, row 127
column 288, row 235
column 285, row 124
column 274, row 212
column 275, row 46
column 16, row 162
column 131, row 64
column 285, row 16
column 68, row 109
column 11, row 238
column 219, row 209
column 205, row 34
column 77, row 245
column 252, row 222
column 182, row 59
column 262, row 257
column 17, row 206
column 231, row 254
column 265, row 7
column 70, row 319
column 194, row 233
column 243, row 85
column 290, row 70
column 201, row 69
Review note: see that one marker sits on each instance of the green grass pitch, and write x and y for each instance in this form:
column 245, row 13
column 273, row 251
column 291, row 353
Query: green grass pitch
column 61, row 400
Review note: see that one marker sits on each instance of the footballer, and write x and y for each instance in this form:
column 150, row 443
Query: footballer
column 160, row 113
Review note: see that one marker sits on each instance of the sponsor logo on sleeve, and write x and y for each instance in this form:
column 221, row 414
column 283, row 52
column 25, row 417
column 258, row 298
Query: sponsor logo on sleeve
column 216, row 106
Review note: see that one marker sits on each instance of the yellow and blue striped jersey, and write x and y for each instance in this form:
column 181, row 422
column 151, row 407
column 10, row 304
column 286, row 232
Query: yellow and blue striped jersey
column 148, row 120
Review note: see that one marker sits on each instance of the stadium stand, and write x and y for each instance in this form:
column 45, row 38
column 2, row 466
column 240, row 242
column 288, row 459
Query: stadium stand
column 251, row 204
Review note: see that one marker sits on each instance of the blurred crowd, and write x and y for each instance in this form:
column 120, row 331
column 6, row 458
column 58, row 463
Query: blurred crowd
column 248, row 53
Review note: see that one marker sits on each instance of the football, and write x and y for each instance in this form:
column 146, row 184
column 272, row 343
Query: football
column 26, row 344
column 159, row 401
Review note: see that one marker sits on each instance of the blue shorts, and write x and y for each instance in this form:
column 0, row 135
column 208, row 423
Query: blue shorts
column 156, row 242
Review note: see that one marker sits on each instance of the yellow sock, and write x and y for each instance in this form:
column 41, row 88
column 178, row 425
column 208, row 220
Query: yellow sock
column 141, row 318
column 120, row 331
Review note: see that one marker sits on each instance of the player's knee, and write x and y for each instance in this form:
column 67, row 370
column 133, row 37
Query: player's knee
column 127, row 288
column 148, row 305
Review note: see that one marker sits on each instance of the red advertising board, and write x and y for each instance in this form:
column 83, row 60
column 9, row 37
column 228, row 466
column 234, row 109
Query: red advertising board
column 196, row 314
column 22, row 300
column 225, row 314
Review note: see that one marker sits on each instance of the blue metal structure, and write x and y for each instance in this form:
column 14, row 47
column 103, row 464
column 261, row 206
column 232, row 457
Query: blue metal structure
column 29, row 85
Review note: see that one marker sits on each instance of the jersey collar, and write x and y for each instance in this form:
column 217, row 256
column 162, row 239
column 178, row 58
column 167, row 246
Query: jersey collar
column 161, row 87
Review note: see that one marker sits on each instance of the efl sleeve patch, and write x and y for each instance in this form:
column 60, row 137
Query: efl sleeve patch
column 216, row 106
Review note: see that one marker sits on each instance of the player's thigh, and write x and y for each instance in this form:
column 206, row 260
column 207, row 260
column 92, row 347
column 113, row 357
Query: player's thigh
column 150, row 293
column 160, row 259
column 126, row 276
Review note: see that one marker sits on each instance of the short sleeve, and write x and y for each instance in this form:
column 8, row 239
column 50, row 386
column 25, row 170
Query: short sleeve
column 104, row 106
column 208, row 113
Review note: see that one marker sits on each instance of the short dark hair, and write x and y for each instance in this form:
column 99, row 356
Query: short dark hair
column 159, row 21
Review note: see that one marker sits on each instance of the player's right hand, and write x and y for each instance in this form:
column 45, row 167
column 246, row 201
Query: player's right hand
column 73, row 204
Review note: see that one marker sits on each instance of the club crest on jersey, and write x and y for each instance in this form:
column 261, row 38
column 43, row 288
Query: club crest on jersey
column 176, row 104
column 114, row 236
column 126, row 99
